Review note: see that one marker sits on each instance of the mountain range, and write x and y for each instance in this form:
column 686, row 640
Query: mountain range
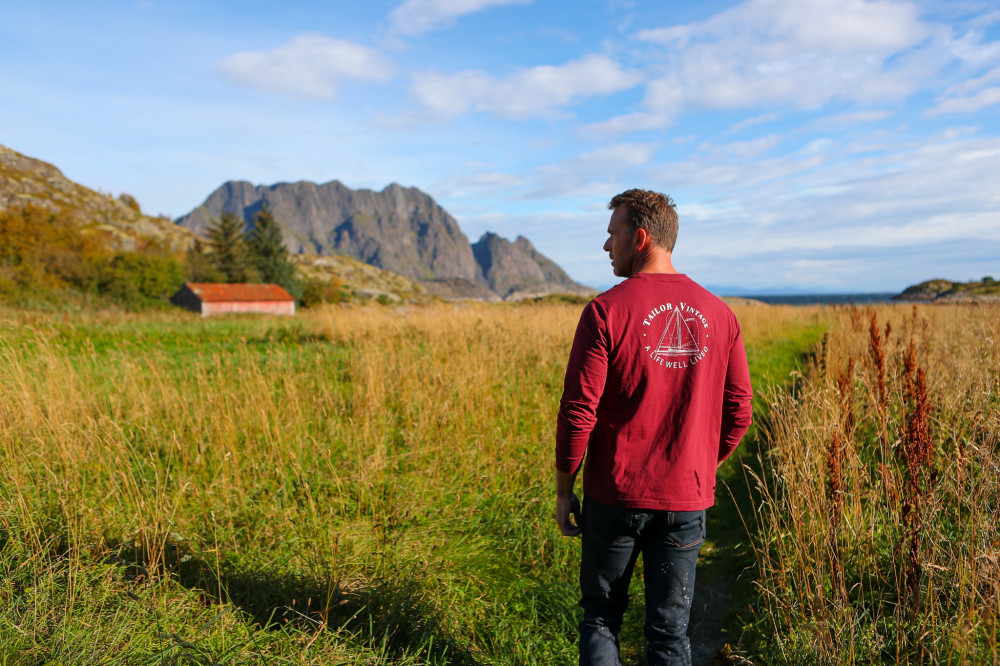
column 396, row 243
column 399, row 229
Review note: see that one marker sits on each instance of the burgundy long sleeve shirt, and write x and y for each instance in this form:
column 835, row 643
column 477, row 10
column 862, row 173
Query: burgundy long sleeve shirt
column 657, row 394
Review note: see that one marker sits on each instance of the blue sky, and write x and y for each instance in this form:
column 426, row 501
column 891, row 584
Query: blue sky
column 822, row 145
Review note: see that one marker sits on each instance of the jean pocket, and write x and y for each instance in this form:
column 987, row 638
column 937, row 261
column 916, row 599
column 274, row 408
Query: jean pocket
column 689, row 531
column 609, row 525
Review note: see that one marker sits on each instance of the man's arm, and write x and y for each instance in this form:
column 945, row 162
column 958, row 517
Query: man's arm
column 586, row 373
column 567, row 504
column 737, row 400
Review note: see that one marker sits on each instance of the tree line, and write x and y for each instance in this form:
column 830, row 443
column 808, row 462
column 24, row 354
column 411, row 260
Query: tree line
column 232, row 254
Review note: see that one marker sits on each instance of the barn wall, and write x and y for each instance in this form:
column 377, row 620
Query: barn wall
column 187, row 299
column 286, row 308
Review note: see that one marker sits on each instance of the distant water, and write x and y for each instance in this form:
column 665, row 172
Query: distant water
column 824, row 299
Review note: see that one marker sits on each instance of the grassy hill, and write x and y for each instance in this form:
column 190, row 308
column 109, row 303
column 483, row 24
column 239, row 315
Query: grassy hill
column 25, row 181
column 946, row 291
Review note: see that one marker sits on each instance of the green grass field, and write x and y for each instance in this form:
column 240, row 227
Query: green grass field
column 359, row 485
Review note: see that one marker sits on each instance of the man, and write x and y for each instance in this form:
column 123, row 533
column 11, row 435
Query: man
column 657, row 395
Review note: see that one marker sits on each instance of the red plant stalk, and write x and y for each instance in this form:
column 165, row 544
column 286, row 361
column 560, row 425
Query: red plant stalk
column 918, row 451
column 909, row 366
column 835, row 505
column 878, row 363
column 877, row 354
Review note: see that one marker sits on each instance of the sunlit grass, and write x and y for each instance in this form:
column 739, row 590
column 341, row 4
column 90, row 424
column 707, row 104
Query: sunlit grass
column 871, row 548
column 356, row 485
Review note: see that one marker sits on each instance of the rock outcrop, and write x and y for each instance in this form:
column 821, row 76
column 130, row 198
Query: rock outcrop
column 517, row 270
column 946, row 291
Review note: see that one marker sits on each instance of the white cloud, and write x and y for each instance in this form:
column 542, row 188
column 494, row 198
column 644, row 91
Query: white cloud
column 600, row 170
column 803, row 53
column 742, row 150
column 597, row 170
column 852, row 118
column 310, row 65
column 415, row 17
column 823, row 26
column 971, row 104
column 618, row 156
column 535, row 91
column 796, row 219
column 973, row 48
column 753, row 122
column 895, row 199
column 972, row 85
column 475, row 183
column 631, row 122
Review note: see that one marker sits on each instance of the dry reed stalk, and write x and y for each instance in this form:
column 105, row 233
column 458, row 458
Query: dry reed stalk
column 916, row 534
column 845, row 389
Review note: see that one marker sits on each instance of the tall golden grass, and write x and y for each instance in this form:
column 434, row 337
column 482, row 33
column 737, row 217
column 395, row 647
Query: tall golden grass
column 878, row 539
column 358, row 485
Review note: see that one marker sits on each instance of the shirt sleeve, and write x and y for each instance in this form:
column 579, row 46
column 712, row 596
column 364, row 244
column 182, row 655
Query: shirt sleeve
column 586, row 374
column 737, row 400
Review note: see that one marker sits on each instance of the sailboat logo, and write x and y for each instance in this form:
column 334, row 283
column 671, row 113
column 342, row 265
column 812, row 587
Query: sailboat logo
column 679, row 337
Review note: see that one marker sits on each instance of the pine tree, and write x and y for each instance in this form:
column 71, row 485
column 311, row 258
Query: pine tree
column 268, row 254
column 199, row 265
column 227, row 249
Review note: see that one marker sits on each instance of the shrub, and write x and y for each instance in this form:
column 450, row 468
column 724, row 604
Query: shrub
column 141, row 278
column 130, row 201
column 316, row 292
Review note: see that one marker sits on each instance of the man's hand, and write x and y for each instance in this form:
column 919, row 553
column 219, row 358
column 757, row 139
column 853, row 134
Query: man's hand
column 567, row 506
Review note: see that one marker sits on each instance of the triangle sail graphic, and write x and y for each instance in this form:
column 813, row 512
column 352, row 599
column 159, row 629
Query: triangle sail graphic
column 677, row 338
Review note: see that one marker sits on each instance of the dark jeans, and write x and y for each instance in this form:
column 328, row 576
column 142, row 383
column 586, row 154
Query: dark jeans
column 613, row 537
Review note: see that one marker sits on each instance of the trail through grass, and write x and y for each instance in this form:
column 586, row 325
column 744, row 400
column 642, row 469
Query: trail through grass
column 359, row 485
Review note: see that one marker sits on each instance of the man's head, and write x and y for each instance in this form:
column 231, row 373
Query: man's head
column 651, row 211
column 643, row 225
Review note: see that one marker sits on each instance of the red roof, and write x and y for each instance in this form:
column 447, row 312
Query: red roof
column 215, row 293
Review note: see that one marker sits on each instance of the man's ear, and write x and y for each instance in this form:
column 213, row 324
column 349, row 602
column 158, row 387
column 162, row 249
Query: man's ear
column 642, row 239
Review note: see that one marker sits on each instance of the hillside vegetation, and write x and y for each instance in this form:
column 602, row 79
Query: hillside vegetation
column 25, row 181
column 50, row 259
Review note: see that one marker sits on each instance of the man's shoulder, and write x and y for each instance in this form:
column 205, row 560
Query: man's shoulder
column 645, row 291
column 643, row 285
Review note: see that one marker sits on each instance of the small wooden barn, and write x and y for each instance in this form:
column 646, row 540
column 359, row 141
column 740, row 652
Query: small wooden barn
column 212, row 299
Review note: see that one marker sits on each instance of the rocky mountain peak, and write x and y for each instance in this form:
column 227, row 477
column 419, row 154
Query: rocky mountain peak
column 399, row 229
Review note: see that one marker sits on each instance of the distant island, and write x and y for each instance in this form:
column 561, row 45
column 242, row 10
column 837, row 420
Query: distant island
column 946, row 291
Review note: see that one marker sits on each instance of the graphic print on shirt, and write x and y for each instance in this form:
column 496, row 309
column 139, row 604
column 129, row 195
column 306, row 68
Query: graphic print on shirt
column 675, row 335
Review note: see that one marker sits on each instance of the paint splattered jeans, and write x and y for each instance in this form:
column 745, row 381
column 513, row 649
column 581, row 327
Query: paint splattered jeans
column 613, row 537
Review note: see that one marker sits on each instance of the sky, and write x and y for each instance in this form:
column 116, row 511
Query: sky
column 839, row 146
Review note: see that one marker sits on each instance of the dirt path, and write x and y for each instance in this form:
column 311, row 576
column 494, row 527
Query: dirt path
column 711, row 604
column 722, row 575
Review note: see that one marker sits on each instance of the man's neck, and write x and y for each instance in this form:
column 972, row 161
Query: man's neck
column 657, row 261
